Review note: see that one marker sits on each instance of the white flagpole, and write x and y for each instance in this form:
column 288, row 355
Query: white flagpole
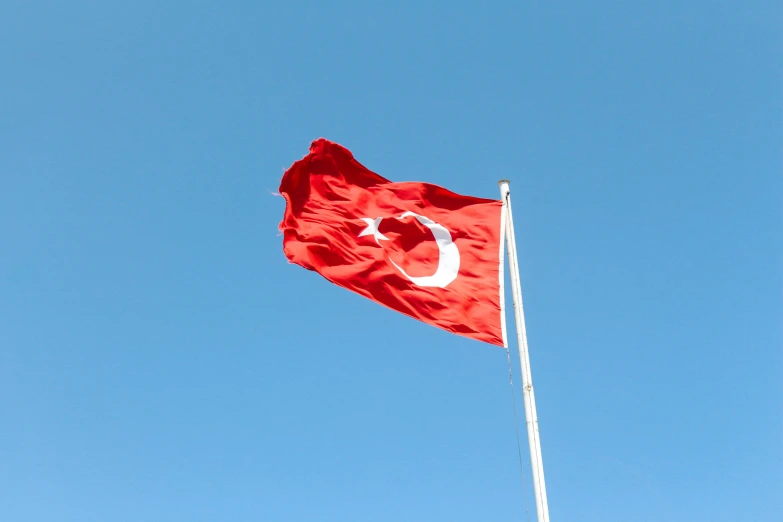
column 539, row 486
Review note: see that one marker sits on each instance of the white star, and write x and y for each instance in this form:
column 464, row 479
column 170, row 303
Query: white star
column 372, row 229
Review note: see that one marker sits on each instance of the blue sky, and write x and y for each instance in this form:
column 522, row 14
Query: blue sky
column 160, row 359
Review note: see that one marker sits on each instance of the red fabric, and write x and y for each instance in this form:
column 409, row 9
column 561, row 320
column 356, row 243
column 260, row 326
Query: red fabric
column 328, row 193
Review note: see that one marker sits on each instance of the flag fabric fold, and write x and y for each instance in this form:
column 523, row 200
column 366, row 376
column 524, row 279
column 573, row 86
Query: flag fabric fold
column 416, row 248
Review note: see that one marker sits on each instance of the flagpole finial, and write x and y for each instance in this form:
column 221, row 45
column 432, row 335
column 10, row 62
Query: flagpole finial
column 505, row 190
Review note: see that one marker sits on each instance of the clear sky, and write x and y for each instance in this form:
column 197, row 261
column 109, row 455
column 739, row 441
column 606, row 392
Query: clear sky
column 160, row 360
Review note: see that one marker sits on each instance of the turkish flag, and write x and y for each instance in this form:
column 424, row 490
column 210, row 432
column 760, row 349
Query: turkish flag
column 414, row 247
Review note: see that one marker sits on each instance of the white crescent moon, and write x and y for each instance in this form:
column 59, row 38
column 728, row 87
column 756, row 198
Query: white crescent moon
column 448, row 260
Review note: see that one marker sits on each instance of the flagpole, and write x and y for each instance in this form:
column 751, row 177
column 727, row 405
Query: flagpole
column 536, row 462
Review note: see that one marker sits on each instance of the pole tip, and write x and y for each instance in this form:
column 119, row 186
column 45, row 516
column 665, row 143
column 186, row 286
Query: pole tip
column 505, row 190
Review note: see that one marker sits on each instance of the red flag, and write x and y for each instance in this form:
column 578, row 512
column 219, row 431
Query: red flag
column 414, row 247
